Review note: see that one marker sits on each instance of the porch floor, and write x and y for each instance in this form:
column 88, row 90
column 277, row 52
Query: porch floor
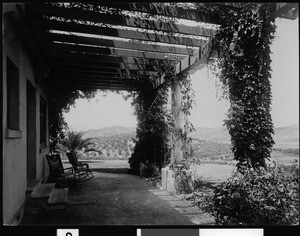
column 114, row 197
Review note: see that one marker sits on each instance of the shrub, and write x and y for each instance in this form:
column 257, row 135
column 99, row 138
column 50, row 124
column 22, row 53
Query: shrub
column 186, row 178
column 260, row 197
column 183, row 179
column 149, row 170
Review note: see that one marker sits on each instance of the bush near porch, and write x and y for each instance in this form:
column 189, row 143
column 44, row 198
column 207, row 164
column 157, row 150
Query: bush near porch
column 262, row 197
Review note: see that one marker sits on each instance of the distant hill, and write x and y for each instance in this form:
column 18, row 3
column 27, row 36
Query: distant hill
column 108, row 131
column 219, row 134
column 285, row 137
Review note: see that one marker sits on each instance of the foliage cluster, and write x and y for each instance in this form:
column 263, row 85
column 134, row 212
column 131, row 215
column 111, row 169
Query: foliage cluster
column 75, row 143
column 259, row 197
column 149, row 104
column 183, row 178
column 155, row 121
column 264, row 196
column 60, row 101
column 118, row 146
column 243, row 44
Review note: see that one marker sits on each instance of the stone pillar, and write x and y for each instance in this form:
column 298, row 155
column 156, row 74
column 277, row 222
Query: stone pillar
column 178, row 120
column 168, row 180
column 164, row 178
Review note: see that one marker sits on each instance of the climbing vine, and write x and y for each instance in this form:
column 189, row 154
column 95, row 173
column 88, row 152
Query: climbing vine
column 61, row 100
column 243, row 43
column 154, row 141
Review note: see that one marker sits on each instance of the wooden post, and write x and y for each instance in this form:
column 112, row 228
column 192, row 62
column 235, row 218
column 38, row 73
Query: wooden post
column 178, row 120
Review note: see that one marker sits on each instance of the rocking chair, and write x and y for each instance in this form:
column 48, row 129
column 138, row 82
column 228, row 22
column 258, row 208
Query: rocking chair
column 82, row 170
column 58, row 174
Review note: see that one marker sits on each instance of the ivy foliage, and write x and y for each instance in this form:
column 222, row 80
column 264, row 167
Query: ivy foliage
column 266, row 196
column 60, row 101
column 243, row 44
column 155, row 127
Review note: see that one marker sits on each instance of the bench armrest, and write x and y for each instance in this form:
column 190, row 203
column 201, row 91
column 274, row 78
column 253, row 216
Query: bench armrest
column 82, row 165
column 69, row 168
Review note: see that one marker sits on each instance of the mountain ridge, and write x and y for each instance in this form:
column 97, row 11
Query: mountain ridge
column 284, row 137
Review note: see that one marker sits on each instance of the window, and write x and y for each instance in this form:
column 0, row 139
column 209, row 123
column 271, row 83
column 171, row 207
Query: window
column 12, row 96
column 43, row 122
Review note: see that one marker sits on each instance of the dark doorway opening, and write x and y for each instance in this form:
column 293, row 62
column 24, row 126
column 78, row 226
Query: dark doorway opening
column 31, row 132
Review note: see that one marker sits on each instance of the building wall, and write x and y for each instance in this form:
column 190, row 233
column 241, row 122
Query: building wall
column 15, row 142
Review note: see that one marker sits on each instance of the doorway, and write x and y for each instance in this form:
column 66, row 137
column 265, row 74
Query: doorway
column 31, row 132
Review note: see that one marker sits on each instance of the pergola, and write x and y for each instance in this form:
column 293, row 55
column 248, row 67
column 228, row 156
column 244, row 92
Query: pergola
column 107, row 45
column 93, row 47
column 98, row 49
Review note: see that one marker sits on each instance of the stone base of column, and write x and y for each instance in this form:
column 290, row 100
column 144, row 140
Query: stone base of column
column 164, row 178
column 168, row 180
column 171, row 181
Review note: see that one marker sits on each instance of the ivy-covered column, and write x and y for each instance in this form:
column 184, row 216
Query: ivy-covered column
column 243, row 42
column 178, row 122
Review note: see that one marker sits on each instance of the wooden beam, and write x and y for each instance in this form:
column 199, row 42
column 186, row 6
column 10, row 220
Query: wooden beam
column 37, row 10
column 87, row 74
column 87, row 83
column 161, row 8
column 75, row 62
column 195, row 62
column 89, row 77
column 100, row 69
column 101, row 87
column 93, row 79
column 105, row 43
column 105, row 64
column 93, row 64
column 107, row 58
column 231, row 4
column 104, row 83
column 288, row 11
column 107, row 72
column 97, row 84
column 113, row 32
column 108, row 51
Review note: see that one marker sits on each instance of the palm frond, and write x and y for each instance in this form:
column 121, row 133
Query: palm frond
column 76, row 143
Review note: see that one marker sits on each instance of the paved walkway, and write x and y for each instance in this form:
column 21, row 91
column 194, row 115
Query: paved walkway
column 113, row 197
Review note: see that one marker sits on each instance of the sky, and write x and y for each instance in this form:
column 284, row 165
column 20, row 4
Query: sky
column 209, row 110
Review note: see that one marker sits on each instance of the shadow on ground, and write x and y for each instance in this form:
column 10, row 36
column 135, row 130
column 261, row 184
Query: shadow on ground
column 112, row 197
column 111, row 170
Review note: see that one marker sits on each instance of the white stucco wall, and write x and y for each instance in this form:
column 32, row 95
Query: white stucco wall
column 15, row 149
